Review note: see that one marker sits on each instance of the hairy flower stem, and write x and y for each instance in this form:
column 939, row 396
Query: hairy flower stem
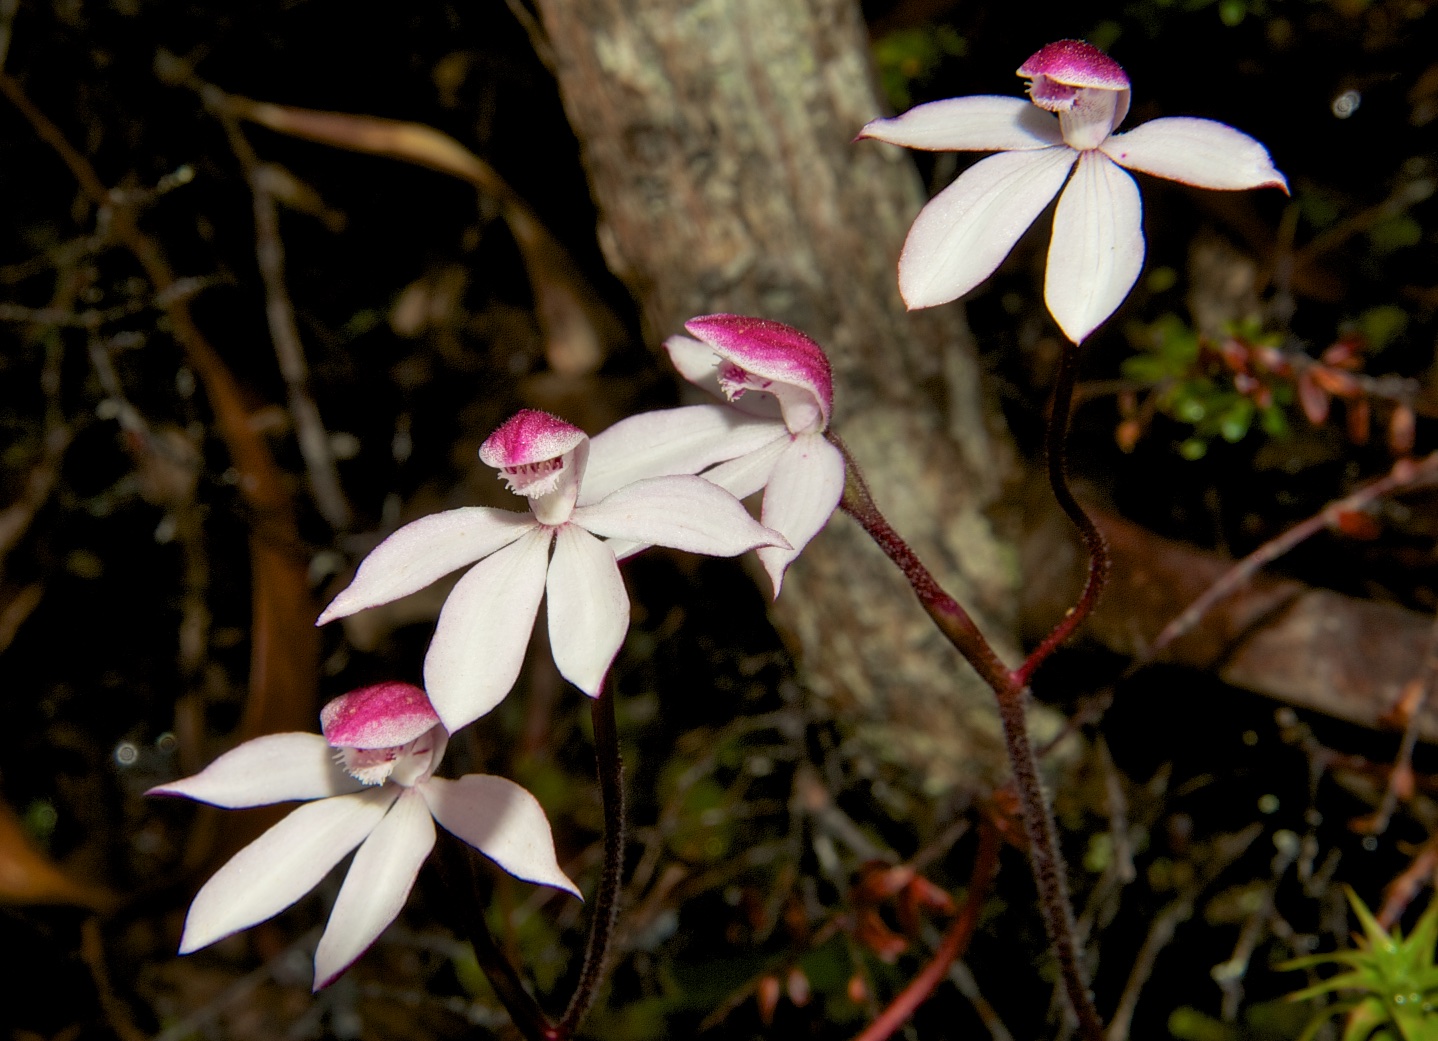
column 456, row 867
column 1010, row 687
column 606, row 900
column 1055, row 444
column 947, row 613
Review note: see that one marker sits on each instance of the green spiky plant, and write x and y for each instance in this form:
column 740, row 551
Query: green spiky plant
column 1392, row 983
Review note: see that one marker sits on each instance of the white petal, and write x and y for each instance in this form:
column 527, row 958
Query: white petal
column 274, row 768
column 744, row 476
column 379, row 880
column 984, row 123
column 483, row 631
column 966, row 230
column 802, row 494
column 1199, row 152
column 670, row 441
column 588, row 608
column 699, row 363
column 425, row 550
column 282, row 865
column 695, row 361
column 1097, row 248
column 502, row 821
column 685, row 513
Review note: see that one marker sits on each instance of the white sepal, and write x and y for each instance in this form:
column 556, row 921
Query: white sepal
column 965, row 231
column 587, row 606
column 269, row 769
column 483, row 630
column 502, row 821
column 1097, row 249
column 425, row 550
column 377, row 885
column 282, row 865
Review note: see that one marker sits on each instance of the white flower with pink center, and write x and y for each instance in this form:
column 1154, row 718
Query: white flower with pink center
column 369, row 784
column 781, row 381
column 1097, row 250
column 484, row 627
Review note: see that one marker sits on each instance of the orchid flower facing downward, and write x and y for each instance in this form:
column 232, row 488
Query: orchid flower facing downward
column 781, row 380
column 1097, row 250
column 368, row 783
column 484, row 627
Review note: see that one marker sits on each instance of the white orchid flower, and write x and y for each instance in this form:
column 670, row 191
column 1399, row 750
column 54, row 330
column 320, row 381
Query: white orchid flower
column 781, row 387
column 368, row 783
column 484, row 627
column 1097, row 249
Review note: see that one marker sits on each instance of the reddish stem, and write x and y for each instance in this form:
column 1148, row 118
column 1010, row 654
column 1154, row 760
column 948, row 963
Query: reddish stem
column 947, row 613
column 1011, row 691
column 1056, row 440
column 955, row 942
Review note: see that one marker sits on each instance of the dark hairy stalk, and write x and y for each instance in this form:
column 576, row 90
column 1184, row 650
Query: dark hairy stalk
column 1056, row 439
column 456, row 867
column 947, row 613
column 1055, row 444
column 1050, row 871
column 1011, row 687
column 605, row 911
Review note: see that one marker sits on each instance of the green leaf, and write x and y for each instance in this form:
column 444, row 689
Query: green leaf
column 1366, row 1017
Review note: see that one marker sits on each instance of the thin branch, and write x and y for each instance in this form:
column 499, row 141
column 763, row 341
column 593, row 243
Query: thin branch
column 963, row 978
column 260, row 479
column 456, row 867
column 1401, row 776
column 543, row 49
column 195, row 1021
column 1226, row 849
column 92, row 952
column 8, row 9
column 314, row 442
column 955, row 942
column 1406, row 474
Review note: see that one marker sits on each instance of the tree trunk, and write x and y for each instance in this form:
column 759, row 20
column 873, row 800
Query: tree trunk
column 717, row 135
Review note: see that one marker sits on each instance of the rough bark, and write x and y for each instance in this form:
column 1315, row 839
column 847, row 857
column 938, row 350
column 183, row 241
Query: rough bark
column 718, row 139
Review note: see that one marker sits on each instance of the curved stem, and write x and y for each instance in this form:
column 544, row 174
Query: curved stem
column 954, row 943
column 606, row 900
column 947, row 613
column 1055, row 442
column 1011, row 687
column 456, row 867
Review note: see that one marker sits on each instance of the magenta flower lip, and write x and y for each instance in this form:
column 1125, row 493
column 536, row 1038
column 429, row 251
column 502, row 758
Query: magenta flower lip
column 1075, row 63
column 385, row 715
column 529, row 437
column 770, row 350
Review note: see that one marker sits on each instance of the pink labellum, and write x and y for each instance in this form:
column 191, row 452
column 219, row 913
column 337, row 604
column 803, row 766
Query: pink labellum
column 383, row 716
column 529, row 438
column 762, row 354
column 1074, row 63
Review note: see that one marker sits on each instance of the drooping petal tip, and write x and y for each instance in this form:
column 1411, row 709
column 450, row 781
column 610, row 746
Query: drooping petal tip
column 770, row 350
column 385, row 715
column 1200, row 152
column 528, row 437
column 1074, row 63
